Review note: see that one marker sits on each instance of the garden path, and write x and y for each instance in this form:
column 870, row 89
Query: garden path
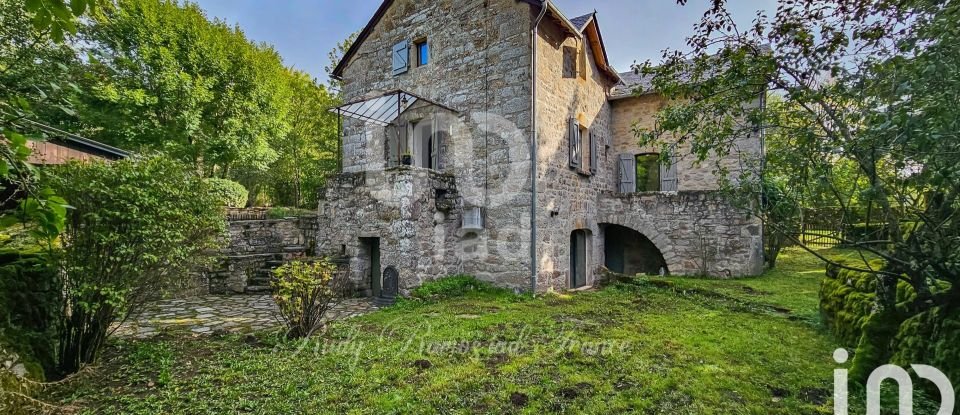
column 208, row 314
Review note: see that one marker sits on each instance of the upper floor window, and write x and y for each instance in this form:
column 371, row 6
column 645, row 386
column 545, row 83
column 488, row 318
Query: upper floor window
column 646, row 172
column 422, row 49
column 582, row 148
column 569, row 62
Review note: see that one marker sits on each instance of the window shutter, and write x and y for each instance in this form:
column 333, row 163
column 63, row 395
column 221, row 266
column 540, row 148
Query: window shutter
column 435, row 145
column 573, row 132
column 668, row 172
column 627, row 167
column 401, row 57
column 593, row 153
column 392, row 150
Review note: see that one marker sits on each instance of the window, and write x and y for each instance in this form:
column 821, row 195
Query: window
column 645, row 173
column 472, row 218
column 574, row 143
column 569, row 62
column 423, row 52
column 648, row 172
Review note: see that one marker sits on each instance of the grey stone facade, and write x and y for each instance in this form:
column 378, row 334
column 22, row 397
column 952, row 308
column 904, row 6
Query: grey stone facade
column 480, row 69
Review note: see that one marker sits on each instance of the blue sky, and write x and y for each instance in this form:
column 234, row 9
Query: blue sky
column 303, row 31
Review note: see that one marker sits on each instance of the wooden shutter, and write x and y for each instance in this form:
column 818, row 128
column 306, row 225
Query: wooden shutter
column 392, row 145
column 573, row 133
column 401, row 57
column 435, row 145
column 593, row 153
column 627, row 167
column 668, row 172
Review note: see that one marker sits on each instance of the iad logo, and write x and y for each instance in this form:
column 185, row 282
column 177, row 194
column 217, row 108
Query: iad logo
column 904, row 385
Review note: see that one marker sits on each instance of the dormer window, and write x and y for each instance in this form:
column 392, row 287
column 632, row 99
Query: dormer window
column 422, row 48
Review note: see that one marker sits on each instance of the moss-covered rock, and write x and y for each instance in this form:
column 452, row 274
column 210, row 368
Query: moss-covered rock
column 846, row 302
column 930, row 338
column 847, row 306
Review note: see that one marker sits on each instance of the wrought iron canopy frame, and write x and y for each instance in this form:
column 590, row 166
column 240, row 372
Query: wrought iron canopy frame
column 384, row 109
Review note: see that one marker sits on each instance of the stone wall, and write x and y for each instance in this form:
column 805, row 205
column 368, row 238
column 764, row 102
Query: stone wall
column 567, row 198
column 413, row 211
column 697, row 232
column 641, row 111
column 480, row 68
column 255, row 248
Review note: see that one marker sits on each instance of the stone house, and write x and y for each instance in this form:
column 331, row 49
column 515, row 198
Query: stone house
column 447, row 104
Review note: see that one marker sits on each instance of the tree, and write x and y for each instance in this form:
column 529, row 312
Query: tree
column 869, row 91
column 119, row 248
column 334, row 57
column 33, row 58
column 164, row 77
column 308, row 153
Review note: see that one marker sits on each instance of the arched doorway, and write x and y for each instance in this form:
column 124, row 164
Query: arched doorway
column 629, row 252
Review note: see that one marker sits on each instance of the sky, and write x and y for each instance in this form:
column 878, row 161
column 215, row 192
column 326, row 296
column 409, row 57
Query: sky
column 304, row 31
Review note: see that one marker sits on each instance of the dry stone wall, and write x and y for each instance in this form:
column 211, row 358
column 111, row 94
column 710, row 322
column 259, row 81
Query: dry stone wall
column 256, row 247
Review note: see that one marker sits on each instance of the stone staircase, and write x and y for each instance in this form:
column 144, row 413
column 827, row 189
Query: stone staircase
column 259, row 280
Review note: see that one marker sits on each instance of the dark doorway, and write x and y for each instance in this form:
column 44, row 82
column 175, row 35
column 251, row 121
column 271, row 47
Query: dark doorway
column 578, row 258
column 370, row 249
column 629, row 252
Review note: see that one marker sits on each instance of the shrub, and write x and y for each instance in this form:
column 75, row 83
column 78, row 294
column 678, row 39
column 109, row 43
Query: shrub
column 304, row 291
column 228, row 192
column 456, row 286
column 29, row 302
column 287, row 212
column 136, row 227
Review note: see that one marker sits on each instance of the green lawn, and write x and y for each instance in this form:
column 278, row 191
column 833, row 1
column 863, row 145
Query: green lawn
column 661, row 345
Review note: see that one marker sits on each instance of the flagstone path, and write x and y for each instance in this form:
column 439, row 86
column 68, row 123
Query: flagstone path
column 238, row 314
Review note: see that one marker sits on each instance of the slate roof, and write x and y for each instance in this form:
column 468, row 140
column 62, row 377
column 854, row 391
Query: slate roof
column 581, row 22
column 631, row 82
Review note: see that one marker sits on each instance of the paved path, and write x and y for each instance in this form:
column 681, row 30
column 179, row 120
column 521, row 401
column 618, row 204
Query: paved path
column 238, row 313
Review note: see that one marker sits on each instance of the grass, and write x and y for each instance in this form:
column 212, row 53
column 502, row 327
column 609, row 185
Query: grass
column 654, row 346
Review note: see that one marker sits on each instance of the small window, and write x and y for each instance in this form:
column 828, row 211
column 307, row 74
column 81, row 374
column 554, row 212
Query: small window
column 569, row 62
column 423, row 52
column 648, row 172
column 472, row 218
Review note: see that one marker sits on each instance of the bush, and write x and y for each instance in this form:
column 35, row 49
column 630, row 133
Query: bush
column 288, row 212
column 304, row 291
column 455, row 286
column 228, row 192
column 136, row 228
column 30, row 303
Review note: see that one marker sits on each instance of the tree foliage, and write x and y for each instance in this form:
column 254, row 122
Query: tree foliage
column 33, row 62
column 868, row 122
column 304, row 291
column 228, row 192
column 308, row 153
column 163, row 77
column 136, row 228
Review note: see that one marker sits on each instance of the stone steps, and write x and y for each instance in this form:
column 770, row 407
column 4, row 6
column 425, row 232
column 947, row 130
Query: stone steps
column 257, row 289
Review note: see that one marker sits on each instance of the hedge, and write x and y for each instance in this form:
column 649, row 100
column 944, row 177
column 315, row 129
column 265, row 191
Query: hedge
column 232, row 194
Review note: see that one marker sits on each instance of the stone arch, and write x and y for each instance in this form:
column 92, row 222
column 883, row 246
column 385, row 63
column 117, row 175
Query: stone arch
column 630, row 250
